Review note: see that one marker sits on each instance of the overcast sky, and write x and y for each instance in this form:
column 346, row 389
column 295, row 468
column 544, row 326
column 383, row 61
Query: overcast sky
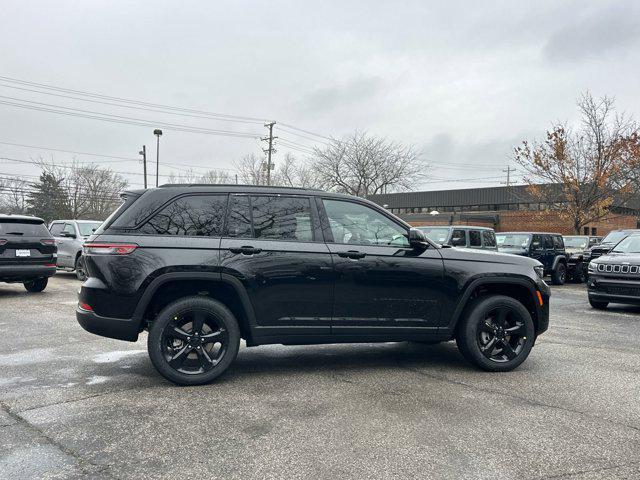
column 463, row 81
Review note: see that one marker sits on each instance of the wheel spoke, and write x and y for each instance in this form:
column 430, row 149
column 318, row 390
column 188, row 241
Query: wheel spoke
column 178, row 359
column 177, row 332
column 519, row 329
column 212, row 336
column 501, row 317
column 508, row 350
column 198, row 321
column 487, row 349
column 205, row 359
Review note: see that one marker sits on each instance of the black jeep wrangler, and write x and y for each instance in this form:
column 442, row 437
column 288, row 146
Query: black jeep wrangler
column 615, row 276
column 547, row 248
column 203, row 266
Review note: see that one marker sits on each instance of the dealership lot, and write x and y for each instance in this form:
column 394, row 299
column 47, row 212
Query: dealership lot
column 74, row 405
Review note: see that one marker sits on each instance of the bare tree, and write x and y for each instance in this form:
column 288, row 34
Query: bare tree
column 290, row 172
column 210, row 176
column 590, row 164
column 364, row 164
column 252, row 170
column 13, row 195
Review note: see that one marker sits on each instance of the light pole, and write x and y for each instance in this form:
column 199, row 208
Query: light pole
column 158, row 133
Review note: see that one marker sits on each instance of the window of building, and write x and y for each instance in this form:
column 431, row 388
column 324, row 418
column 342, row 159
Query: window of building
column 594, row 231
column 475, row 240
column 353, row 223
column 194, row 215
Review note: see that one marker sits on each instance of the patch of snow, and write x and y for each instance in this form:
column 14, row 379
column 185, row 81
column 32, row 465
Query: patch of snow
column 96, row 379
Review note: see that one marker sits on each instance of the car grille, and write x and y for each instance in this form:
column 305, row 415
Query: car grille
column 618, row 269
column 630, row 291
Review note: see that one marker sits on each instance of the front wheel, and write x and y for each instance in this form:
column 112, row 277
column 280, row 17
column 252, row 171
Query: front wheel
column 559, row 274
column 496, row 334
column 37, row 285
column 81, row 273
column 193, row 340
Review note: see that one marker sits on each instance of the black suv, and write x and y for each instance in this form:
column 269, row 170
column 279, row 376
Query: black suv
column 27, row 252
column 203, row 266
column 547, row 248
column 615, row 276
column 608, row 242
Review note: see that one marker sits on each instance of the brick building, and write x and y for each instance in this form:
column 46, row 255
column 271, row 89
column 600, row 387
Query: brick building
column 502, row 208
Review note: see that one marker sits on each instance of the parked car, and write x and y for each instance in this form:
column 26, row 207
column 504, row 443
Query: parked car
column 608, row 242
column 577, row 248
column 27, row 252
column 69, row 236
column 202, row 266
column 615, row 276
column 547, row 248
column 461, row 236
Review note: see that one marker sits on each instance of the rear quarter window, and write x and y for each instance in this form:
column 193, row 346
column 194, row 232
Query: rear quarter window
column 488, row 238
column 192, row 215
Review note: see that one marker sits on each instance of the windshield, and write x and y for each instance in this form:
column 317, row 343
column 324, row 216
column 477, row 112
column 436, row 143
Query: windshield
column 614, row 237
column 630, row 244
column 438, row 235
column 520, row 240
column 12, row 228
column 576, row 242
column 87, row 229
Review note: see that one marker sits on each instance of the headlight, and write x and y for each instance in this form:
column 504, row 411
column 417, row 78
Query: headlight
column 592, row 267
column 539, row 269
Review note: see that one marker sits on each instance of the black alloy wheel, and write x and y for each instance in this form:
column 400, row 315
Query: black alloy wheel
column 559, row 275
column 193, row 340
column 497, row 333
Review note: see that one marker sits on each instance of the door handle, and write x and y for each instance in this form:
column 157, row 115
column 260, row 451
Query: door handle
column 245, row 250
column 353, row 254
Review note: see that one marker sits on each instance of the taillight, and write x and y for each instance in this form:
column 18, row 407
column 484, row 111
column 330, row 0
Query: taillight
column 48, row 241
column 85, row 306
column 108, row 248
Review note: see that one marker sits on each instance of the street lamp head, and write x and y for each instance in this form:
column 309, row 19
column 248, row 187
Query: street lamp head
column 157, row 132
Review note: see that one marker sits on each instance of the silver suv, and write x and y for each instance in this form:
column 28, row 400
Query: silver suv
column 69, row 236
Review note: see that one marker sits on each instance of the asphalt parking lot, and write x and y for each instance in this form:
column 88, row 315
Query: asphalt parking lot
column 74, row 405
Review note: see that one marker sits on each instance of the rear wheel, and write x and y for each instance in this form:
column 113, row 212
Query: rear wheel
column 37, row 285
column 559, row 274
column 496, row 334
column 193, row 340
column 81, row 273
column 579, row 274
column 598, row 305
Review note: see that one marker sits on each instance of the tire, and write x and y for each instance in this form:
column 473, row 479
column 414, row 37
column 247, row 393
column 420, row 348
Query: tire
column 579, row 276
column 81, row 273
column 37, row 285
column 183, row 356
column 483, row 335
column 559, row 274
column 598, row 305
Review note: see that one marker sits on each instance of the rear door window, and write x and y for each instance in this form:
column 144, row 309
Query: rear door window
column 23, row 229
column 458, row 238
column 282, row 218
column 475, row 240
column 548, row 242
column 488, row 238
column 193, row 215
column 558, row 243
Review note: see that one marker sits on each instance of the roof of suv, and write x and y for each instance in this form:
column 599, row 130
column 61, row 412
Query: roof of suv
column 242, row 188
column 461, row 227
column 78, row 221
column 532, row 233
column 18, row 218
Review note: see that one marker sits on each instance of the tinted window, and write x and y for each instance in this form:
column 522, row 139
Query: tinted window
column 548, row 243
column 282, row 218
column 357, row 224
column 56, row 229
column 196, row 215
column 474, row 238
column 557, row 242
column 536, row 242
column 21, row 229
column 239, row 223
column 459, row 238
column 488, row 238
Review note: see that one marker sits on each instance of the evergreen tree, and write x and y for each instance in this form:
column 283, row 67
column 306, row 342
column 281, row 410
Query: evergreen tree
column 49, row 199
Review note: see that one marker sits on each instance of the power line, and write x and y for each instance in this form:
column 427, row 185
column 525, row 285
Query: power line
column 126, row 159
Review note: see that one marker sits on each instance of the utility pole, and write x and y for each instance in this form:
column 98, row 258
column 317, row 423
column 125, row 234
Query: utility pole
column 508, row 172
column 269, row 150
column 143, row 152
column 158, row 133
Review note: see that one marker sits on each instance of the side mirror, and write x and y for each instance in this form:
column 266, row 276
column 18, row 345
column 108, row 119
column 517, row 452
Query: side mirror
column 417, row 238
column 68, row 235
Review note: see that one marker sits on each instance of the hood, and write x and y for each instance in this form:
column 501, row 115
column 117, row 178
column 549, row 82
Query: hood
column 574, row 250
column 488, row 256
column 619, row 259
column 513, row 250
